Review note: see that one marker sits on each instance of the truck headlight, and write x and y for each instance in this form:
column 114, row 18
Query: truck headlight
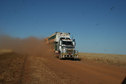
column 76, row 52
column 64, row 50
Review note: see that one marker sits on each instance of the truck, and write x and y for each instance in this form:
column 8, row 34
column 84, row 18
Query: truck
column 62, row 45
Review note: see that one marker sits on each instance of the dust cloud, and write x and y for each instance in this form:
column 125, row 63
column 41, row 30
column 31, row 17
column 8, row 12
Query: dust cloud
column 30, row 45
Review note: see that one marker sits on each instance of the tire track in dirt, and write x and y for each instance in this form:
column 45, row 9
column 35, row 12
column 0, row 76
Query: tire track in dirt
column 37, row 73
column 23, row 69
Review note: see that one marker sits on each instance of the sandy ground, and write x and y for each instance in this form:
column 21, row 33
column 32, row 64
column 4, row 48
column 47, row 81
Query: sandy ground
column 50, row 70
column 36, row 64
column 45, row 68
column 113, row 59
column 11, row 68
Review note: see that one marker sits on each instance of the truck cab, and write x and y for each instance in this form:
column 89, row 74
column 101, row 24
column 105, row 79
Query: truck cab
column 67, row 48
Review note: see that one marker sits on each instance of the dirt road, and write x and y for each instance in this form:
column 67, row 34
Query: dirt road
column 50, row 70
column 37, row 65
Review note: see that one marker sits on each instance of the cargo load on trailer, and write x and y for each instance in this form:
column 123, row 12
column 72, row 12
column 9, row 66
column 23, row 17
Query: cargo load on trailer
column 63, row 45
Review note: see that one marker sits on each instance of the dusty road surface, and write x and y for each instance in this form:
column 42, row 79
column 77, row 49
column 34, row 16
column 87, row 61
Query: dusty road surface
column 46, row 69
column 40, row 66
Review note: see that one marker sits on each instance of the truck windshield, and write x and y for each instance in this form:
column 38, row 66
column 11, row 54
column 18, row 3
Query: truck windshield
column 67, row 43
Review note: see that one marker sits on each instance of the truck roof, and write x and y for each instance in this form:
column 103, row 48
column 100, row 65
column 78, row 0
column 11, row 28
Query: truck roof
column 57, row 35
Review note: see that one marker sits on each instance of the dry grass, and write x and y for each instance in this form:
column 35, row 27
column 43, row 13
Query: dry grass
column 119, row 60
column 3, row 51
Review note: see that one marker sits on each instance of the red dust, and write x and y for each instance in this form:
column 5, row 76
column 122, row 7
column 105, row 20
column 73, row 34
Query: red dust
column 30, row 45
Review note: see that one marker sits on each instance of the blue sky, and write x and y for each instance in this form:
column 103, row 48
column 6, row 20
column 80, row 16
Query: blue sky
column 99, row 26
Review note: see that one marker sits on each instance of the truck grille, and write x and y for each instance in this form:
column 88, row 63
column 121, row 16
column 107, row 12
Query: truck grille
column 70, row 51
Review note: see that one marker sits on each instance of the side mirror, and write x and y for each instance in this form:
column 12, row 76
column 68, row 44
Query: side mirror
column 74, row 43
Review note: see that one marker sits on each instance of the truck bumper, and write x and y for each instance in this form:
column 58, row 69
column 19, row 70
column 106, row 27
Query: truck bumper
column 65, row 55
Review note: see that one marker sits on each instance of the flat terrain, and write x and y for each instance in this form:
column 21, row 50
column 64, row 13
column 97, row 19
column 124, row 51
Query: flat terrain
column 113, row 59
column 47, row 69
column 11, row 67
